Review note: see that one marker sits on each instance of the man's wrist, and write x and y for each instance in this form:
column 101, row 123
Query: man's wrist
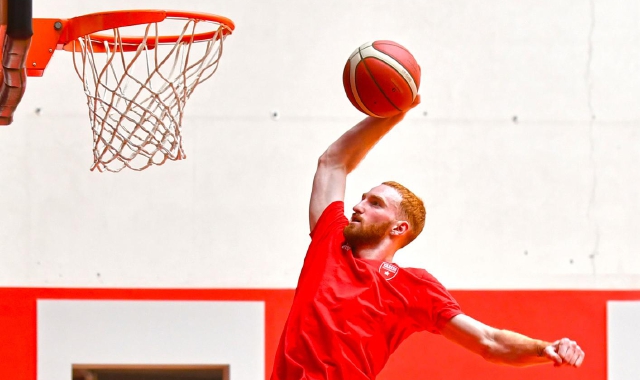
column 540, row 347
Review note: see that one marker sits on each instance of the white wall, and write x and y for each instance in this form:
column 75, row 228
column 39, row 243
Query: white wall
column 622, row 340
column 150, row 333
column 547, row 201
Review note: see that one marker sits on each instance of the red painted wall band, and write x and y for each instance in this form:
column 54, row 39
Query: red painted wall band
column 549, row 315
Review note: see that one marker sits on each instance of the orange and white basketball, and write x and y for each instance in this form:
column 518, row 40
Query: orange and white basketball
column 381, row 78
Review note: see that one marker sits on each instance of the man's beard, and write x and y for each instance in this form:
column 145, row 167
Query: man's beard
column 356, row 234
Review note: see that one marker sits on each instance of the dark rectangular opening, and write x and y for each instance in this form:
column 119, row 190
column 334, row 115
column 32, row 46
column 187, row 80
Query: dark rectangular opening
column 150, row 372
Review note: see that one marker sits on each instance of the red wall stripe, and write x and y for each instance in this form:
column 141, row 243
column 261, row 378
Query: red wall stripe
column 549, row 315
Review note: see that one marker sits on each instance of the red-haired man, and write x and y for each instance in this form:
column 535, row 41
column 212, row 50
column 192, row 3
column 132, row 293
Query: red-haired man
column 353, row 306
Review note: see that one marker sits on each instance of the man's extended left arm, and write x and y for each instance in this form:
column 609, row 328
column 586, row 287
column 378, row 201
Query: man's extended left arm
column 507, row 347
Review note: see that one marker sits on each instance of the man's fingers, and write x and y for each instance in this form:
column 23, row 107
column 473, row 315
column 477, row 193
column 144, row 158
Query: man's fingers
column 571, row 357
column 577, row 357
column 550, row 352
column 580, row 359
column 416, row 101
column 563, row 347
column 569, row 352
column 401, row 115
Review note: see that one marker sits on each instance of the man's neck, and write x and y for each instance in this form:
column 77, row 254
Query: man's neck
column 378, row 252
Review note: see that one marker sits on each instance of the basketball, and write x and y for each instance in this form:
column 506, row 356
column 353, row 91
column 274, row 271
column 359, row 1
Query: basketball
column 381, row 78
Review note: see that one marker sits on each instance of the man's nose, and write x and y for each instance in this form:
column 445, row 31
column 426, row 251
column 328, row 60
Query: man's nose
column 358, row 208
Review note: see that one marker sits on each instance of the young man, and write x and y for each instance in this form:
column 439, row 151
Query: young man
column 353, row 306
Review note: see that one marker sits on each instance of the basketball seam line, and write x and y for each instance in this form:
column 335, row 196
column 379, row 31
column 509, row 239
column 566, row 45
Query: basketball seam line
column 376, row 82
column 354, row 84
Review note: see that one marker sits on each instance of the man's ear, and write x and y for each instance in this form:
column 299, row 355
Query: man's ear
column 400, row 228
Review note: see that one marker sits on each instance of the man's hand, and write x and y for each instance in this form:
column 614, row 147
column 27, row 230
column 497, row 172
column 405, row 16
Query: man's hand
column 401, row 115
column 564, row 352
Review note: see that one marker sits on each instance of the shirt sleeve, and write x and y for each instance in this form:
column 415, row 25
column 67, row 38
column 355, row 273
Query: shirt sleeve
column 325, row 233
column 331, row 218
column 436, row 305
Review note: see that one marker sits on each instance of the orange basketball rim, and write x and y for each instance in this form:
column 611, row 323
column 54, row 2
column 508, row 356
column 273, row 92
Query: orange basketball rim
column 52, row 34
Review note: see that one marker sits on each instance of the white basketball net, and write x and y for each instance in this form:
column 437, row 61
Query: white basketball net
column 136, row 99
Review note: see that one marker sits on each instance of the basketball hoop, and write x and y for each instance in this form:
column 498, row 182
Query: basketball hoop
column 137, row 84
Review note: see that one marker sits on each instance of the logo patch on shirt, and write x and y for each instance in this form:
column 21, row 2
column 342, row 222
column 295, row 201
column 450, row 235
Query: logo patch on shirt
column 388, row 270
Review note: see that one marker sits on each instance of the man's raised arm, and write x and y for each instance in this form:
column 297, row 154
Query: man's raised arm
column 342, row 157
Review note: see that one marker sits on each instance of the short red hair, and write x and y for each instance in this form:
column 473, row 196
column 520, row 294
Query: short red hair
column 411, row 208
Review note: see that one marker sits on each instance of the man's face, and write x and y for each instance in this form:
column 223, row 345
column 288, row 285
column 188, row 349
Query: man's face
column 373, row 216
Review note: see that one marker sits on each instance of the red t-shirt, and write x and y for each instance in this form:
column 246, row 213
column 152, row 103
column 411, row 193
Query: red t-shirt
column 349, row 314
